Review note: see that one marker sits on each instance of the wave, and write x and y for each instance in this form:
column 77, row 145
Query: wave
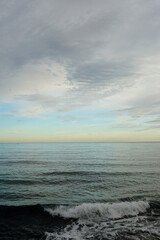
column 99, row 211
column 89, row 173
column 124, row 220
column 110, row 221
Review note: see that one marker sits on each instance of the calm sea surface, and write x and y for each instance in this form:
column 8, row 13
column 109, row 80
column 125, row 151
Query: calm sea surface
column 112, row 190
column 73, row 173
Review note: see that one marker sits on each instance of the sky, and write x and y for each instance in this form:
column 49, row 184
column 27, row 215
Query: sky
column 79, row 70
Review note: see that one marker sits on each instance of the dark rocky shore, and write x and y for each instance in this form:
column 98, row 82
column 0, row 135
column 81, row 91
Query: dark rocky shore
column 32, row 222
column 27, row 222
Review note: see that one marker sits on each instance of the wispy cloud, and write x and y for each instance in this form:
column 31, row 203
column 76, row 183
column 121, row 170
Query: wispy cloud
column 60, row 57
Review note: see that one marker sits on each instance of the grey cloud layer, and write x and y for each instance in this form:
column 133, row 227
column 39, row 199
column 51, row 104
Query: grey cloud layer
column 76, row 31
column 99, row 43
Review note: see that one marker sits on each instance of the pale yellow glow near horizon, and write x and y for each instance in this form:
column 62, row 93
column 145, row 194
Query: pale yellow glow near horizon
column 118, row 136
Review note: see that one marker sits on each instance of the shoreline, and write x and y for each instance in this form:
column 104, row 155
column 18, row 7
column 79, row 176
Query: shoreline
column 27, row 222
column 35, row 222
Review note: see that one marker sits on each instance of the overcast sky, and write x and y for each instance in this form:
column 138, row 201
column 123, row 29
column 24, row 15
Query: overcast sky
column 79, row 70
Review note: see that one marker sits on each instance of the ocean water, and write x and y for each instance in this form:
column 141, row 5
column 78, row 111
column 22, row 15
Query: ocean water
column 109, row 190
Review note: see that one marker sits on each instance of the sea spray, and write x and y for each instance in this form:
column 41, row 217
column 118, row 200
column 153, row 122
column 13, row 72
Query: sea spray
column 99, row 211
column 123, row 220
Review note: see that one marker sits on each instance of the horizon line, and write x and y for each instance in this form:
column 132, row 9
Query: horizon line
column 83, row 142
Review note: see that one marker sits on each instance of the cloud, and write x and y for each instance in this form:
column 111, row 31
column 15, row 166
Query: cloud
column 62, row 56
column 140, row 103
column 69, row 118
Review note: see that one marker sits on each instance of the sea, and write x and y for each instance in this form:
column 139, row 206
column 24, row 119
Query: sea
column 80, row 191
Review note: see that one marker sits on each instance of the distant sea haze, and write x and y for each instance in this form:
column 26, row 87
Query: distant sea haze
column 109, row 190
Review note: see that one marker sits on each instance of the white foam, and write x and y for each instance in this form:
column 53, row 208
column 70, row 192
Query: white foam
column 106, row 221
column 96, row 212
column 133, row 228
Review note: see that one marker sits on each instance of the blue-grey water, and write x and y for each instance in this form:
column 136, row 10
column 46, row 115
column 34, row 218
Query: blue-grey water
column 73, row 173
column 83, row 175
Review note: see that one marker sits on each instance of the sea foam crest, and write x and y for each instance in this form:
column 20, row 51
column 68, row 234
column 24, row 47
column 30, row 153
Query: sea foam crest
column 101, row 211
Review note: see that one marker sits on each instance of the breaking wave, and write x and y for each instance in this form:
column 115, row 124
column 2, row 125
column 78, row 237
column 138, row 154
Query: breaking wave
column 135, row 220
column 116, row 221
column 96, row 211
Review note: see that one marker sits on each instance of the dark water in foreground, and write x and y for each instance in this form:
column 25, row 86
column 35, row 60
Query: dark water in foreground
column 89, row 190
